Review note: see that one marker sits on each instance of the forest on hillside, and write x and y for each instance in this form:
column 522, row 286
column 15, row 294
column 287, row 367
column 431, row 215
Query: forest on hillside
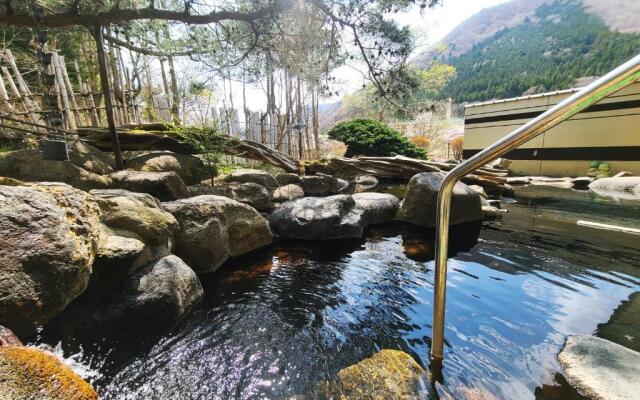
column 549, row 51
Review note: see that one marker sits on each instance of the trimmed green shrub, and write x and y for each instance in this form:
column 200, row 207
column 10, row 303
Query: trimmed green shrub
column 367, row 137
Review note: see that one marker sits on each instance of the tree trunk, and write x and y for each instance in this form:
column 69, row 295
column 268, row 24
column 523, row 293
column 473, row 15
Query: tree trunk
column 106, row 92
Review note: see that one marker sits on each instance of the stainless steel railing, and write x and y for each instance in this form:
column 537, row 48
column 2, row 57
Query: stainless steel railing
column 615, row 80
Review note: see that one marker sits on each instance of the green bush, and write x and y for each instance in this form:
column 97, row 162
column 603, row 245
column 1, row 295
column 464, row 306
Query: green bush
column 367, row 137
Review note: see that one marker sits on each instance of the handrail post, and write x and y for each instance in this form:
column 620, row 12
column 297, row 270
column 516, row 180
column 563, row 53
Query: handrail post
column 615, row 80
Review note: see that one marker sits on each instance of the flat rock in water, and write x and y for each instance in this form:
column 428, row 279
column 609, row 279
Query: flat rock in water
column 601, row 369
column 388, row 374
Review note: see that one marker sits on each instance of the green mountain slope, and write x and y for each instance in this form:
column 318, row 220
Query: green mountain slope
column 547, row 51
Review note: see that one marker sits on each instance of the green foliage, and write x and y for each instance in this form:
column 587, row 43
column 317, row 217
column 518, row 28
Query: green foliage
column 366, row 137
column 548, row 52
column 425, row 86
column 208, row 142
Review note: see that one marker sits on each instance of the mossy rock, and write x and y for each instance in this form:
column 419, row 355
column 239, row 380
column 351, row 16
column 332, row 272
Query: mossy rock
column 388, row 374
column 29, row 373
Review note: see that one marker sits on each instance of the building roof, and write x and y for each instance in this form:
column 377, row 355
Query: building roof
column 532, row 96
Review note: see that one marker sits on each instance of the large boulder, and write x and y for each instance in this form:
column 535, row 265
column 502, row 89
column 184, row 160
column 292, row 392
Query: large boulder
column 137, row 213
column 143, row 305
column 420, row 201
column 318, row 218
column 49, row 240
column 153, row 298
column 601, row 369
column 257, row 196
column 28, row 165
column 319, row 185
column 377, row 208
column 287, row 192
column 90, row 158
column 388, row 374
column 165, row 186
column 191, row 169
column 30, row 373
column 214, row 228
column 255, row 176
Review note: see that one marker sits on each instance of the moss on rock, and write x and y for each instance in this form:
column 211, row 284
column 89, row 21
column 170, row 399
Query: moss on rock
column 30, row 373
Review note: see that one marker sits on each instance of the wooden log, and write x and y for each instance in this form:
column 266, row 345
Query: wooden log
column 69, row 88
column 16, row 94
column 64, row 97
column 88, row 97
column 128, row 141
column 26, row 94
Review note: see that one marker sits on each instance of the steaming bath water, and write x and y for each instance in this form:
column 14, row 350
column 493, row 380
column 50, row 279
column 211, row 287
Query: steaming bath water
column 282, row 322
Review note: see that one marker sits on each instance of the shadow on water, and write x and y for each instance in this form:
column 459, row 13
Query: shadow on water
column 279, row 322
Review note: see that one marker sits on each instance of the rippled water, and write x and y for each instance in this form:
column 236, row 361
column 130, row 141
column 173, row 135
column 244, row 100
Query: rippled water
column 277, row 324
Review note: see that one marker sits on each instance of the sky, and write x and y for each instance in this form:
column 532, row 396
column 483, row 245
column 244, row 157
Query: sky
column 429, row 26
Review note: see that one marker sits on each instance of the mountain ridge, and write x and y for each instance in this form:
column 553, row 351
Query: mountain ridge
column 623, row 17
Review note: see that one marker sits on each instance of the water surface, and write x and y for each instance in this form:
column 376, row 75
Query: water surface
column 279, row 323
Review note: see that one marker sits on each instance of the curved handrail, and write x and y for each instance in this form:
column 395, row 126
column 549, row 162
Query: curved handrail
column 613, row 81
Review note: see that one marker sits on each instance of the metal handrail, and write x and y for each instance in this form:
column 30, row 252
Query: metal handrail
column 615, row 80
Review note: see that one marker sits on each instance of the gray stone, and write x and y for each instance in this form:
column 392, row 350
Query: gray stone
column 601, row 369
column 318, row 218
column 165, row 186
column 377, row 208
column 117, row 258
column 255, row 176
column 420, row 201
column 49, row 240
column 28, row 165
column 319, row 185
column 155, row 297
column 288, row 178
column 214, row 228
column 90, row 158
column 191, row 169
column 138, row 213
column 287, row 192
column 253, row 194
column 363, row 183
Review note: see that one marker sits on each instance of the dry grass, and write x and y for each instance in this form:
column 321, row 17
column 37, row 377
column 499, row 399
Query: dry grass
column 457, row 143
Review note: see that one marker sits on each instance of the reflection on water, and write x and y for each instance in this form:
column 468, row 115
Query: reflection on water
column 279, row 323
